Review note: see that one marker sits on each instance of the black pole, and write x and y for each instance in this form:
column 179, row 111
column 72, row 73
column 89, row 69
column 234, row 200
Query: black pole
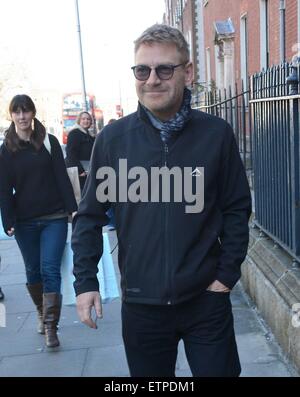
column 81, row 58
column 282, row 31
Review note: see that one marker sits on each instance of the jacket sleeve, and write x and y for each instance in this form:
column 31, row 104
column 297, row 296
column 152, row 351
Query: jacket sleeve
column 6, row 191
column 87, row 242
column 63, row 181
column 235, row 203
column 73, row 151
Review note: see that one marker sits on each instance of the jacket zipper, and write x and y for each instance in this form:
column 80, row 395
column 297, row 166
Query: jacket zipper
column 166, row 151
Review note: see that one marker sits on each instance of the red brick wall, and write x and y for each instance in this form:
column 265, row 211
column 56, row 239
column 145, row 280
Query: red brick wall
column 292, row 28
column 216, row 10
column 274, row 32
column 221, row 10
column 189, row 25
column 252, row 10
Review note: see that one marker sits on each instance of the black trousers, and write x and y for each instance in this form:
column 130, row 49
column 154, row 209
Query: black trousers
column 151, row 335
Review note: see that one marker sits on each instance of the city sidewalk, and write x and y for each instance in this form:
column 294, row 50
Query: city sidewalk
column 100, row 353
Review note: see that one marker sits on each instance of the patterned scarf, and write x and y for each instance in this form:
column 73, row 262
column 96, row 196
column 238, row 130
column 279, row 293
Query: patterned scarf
column 171, row 128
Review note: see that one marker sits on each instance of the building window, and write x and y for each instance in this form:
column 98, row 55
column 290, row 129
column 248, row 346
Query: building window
column 244, row 50
column 264, row 35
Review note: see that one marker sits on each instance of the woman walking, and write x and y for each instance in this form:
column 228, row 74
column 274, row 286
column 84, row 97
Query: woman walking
column 79, row 146
column 36, row 198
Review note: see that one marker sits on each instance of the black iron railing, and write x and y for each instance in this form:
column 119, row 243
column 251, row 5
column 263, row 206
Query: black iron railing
column 265, row 120
column 274, row 105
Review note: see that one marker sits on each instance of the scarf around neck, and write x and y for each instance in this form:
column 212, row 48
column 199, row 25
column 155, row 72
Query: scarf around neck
column 172, row 128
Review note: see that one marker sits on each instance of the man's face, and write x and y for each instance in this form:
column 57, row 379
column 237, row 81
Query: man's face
column 162, row 97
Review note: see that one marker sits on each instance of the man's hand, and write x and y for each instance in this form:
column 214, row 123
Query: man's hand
column 217, row 286
column 85, row 303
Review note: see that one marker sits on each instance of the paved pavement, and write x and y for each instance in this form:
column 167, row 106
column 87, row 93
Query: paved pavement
column 97, row 353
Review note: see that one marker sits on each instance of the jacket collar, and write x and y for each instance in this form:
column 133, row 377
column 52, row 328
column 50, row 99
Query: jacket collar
column 142, row 115
column 78, row 127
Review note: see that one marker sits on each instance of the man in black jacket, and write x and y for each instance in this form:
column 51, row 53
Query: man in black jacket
column 181, row 199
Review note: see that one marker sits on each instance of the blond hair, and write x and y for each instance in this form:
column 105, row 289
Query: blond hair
column 160, row 33
column 81, row 114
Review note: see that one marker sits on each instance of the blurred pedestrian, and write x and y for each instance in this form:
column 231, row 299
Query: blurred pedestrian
column 79, row 146
column 36, row 198
column 179, row 254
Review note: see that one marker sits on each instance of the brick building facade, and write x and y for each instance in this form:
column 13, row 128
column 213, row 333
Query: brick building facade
column 181, row 14
column 236, row 38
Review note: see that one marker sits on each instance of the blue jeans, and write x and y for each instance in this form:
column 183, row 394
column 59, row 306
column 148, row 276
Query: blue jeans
column 42, row 244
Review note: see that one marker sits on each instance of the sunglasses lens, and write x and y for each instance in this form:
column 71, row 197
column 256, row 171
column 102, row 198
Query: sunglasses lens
column 142, row 72
column 164, row 72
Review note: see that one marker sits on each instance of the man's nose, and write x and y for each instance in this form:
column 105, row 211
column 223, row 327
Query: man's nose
column 153, row 78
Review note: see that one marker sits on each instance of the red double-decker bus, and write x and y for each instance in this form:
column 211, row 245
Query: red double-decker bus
column 72, row 105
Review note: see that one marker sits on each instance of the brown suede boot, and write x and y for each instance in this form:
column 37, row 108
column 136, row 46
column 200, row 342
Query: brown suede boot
column 36, row 293
column 51, row 314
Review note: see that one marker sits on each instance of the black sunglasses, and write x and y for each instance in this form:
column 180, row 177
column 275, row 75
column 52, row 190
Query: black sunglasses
column 163, row 72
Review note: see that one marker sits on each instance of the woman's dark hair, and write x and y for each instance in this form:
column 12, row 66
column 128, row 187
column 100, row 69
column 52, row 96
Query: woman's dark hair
column 12, row 140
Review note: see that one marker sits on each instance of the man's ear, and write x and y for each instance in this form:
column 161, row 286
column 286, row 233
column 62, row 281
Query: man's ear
column 189, row 74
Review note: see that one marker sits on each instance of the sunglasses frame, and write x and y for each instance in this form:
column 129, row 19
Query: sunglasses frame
column 172, row 68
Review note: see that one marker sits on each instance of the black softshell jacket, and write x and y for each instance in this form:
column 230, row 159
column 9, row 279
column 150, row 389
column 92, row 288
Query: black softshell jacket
column 166, row 254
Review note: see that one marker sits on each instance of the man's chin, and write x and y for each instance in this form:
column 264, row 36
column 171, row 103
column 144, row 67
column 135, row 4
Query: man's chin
column 154, row 106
